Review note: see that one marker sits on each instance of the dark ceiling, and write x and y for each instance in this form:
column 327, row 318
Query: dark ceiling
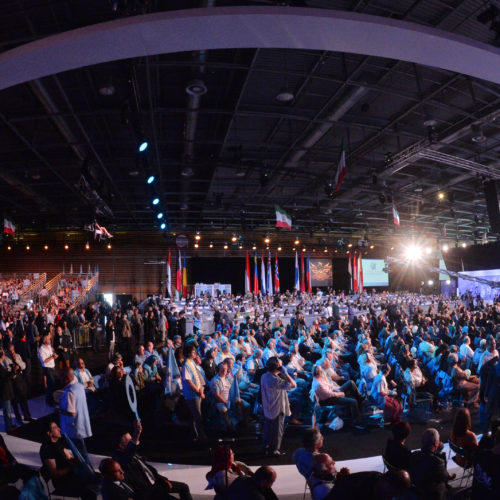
column 223, row 160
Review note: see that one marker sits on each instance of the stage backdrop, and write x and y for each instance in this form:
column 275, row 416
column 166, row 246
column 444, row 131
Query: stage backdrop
column 321, row 272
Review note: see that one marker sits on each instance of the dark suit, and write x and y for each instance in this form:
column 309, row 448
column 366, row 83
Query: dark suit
column 112, row 491
column 428, row 473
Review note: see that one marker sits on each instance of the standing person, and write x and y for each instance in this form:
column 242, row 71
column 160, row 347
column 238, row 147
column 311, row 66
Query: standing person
column 181, row 325
column 47, row 358
column 126, row 346
column 6, row 391
column 274, row 386
column 62, row 346
column 192, row 388
column 110, row 337
column 16, row 368
column 75, row 420
column 23, row 348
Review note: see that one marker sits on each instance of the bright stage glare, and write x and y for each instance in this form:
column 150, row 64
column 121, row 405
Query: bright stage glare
column 413, row 252
column 156, row 201
column 445, row 247
column 143, row 146
column 428, row 250
column 430, row 282
column 163, row 225
column 448, row 282
column 464, row 245
column 160, row 215
column 151, row 179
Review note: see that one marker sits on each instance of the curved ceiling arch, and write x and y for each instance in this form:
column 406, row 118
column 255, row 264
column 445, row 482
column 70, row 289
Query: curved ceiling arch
column 248, row 27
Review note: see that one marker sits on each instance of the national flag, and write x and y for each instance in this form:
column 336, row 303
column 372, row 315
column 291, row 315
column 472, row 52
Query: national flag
column 297, row 279
column 341, row 169
column 255, row 274
column 360, row 274
column 172, row 374
column 234, row 393
column 276, row 275
column 302, row 274
column 169, row 276
column 283, row 220
column 8, row 227
column 462, row 262
column 308, row 272
column 349, row 270
column 263, row 275
column 485, row 238
column 269, row 275
column 354, row 274
column 184, row 278
column 178, row 277
column 395, row 216
column 247, row 275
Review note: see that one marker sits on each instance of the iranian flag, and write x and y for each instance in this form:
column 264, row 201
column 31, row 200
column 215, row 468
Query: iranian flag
column 8, row 227
column 341, row 169
column 395, row 216
column 178, row 278
column 169, row 276
column 283, row 220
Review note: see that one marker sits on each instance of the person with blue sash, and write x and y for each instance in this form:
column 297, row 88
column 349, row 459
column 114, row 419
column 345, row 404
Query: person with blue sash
column 74, row 413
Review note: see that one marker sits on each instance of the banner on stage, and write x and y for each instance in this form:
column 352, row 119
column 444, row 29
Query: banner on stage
column 321, row 272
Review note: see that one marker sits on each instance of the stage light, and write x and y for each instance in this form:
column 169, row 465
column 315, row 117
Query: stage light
column 296, row 242
column 150, row 179
column 445, row 247
column 430, row 282
column 267, row 247
column 428, row 250
column 240, row 246
column 254, row 247
column 46, row 247
column 448, row 282
column 234, row 238
column 279, row 248
column 87, row 246
column 372, row 247
column 9, row 248
column 293, row 249
column 66, row 247
column 143, row 146
column 226, row 246
column 108, row 246
column 196, row 245
column 197, row 237
column 163, row 226
column 211, row 245
column 27, row 247
column 303, row 249
column 159, row 215
column 325, row 250
column 156, row 201
column 267, row 240
column 464, row 245
column 392, row 248
column 441, row 195
column 413, row 253
column 350, row 245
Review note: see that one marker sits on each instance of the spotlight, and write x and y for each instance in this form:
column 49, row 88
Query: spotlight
column 159, row 215
column 279, row 248
column 197, row 237
column 156, row 201
column 87, row 246
column 196, row 245
column 143, row 146
column 27, row 247
column 430, row 282
column 372, row 247
column 413, row 252
column 350, row 245
column 108, row 246
column 448, row 282
column 254, row 247
column 46, row 247
column 66, row 247
column 303, row 249
column 234, row 238
column 441, row 195
column 240, row 246
column 150, row 179
column 428, row 250
column 392, row 248
column 296, row 242
column 226, row 246
column 163, row 226
column 211, row 245
column 445, row 247
column 9, row 248
column 464, row 245
column 325, row 250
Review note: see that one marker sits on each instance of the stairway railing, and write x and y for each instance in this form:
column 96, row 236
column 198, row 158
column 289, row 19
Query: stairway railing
column 90, row 288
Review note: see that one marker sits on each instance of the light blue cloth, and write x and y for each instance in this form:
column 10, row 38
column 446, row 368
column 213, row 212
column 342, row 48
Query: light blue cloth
column 79, row 425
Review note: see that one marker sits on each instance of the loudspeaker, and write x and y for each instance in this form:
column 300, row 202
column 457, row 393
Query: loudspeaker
column 490, row 194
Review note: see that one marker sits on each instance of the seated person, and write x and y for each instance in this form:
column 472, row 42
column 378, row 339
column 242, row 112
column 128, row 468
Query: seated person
column 396, row 453
column 225, row 470
column 220, row 386
column 428, row 467
column 256, row 487
column 462, row 436
column 486, row 482
column 384, row 397
column 58, row 465
column 469, row 387
column 323, row 475
column 114, row 486
column 312, row 440
column 10, row 470
column 141, row 476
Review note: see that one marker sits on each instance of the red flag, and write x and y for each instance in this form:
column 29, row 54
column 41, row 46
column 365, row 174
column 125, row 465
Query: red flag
column 360, row 274
column 276, row 275
column 354, row 273
column 178, row 277
column 255, row 274
column 349, row 270
column 302, row 274
column 169, row 276
column 247, row 275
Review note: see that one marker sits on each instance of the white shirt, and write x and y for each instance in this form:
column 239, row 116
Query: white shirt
column 44, row 352
column 465, row 352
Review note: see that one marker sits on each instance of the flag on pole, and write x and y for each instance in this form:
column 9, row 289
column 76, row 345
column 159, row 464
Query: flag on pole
column 349, row 270
column 360, row 274
column 71, row 269
column 172, row 374
column 234, row 393
column 308, row 272
column 276, row 275
column 178, row 277
column 269, row 275
column 297, row 282
column 354, row 273
column 262, row 275
column 302, row 274
column 169, row 276
column 8, row 227
column 184, row 278
column 485, row 238
column 395, row 216
column 341, row 169
column 255, row 274
column 247, row 274
column 283, row 220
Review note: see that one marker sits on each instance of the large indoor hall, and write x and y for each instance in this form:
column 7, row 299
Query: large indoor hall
column 250, row 250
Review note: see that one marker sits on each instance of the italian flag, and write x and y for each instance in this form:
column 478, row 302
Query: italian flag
column 283, row 220
column 8, row 227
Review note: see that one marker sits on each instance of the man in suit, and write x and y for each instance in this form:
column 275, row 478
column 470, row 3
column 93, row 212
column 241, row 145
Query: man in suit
column 428, row 467
column 143, row 477
column 6, row 391
column 114, row 486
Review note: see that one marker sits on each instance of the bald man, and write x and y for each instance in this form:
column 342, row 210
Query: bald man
column 256, row 487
